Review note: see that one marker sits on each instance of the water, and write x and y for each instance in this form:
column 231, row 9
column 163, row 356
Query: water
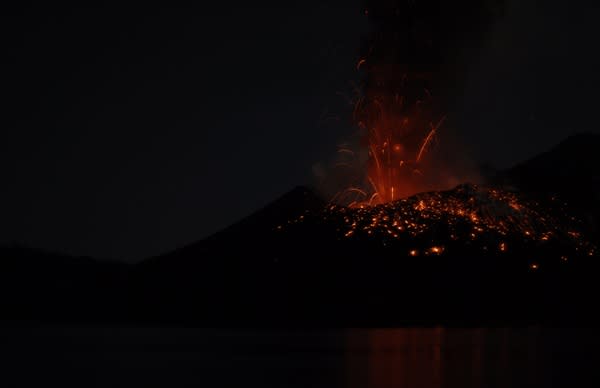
column 407, row 357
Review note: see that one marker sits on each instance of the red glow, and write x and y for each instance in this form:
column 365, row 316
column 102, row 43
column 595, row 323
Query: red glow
column 399, row 132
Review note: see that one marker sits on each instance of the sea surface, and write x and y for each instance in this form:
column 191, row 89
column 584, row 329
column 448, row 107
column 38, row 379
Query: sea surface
column 59, row 356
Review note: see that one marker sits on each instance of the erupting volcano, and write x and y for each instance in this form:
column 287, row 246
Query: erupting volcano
column 402, row 233
column 403, row 199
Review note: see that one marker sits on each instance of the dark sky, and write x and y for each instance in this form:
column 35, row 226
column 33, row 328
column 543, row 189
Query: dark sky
column 129, row 133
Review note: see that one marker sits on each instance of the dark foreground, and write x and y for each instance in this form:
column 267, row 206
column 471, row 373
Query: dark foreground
column 317, row 291
column 410, row 357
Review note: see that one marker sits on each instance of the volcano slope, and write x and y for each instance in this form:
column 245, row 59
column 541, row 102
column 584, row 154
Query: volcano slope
column 468, row 254
column 516, row 250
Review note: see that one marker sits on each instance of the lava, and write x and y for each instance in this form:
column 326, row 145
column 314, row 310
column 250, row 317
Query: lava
column 410, row 66
column 393, row 203
column 489, row 219
column 398, row 133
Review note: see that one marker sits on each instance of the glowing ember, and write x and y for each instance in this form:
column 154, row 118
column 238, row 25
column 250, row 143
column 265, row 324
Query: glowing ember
column 436, row 250
column 502, row 247
column 398, row 136
column 467, row 216
column 534, row 266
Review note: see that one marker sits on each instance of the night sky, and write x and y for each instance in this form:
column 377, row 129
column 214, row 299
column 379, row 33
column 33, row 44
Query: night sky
column 131, row 132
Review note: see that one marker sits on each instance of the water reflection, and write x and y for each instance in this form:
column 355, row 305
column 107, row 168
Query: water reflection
column 403, row 358
column 438, row 357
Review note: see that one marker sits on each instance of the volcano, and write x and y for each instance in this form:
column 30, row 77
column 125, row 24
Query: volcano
column 502, row 251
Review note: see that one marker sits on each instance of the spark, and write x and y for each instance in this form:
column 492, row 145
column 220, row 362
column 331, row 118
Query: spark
column 429, row 137
column 388, row 122
column 360, row 62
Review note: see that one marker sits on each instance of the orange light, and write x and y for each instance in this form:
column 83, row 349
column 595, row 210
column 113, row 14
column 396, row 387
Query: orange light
column 436, row 250
column 359, row 64
column 420, row 215
column 396, row 150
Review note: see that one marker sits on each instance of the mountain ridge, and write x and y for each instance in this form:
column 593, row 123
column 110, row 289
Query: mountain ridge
column 290, row 263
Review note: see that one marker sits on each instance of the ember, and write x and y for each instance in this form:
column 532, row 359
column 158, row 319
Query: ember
column 398, row 133
column 398, row 137
column 396, row 201
column 485, row 217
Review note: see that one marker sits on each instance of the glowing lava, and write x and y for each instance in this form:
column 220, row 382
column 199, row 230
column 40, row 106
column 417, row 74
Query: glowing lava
column 482, row 219
column 398, row 128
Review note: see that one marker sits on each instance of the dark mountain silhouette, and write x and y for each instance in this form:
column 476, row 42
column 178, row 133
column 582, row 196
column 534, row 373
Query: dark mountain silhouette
column 294, row 262
column 570, row 168
column 257, row 229
column 38, row 285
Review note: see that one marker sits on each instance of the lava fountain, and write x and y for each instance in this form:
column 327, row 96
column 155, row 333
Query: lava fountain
column 412, row 64
column 398, row 132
